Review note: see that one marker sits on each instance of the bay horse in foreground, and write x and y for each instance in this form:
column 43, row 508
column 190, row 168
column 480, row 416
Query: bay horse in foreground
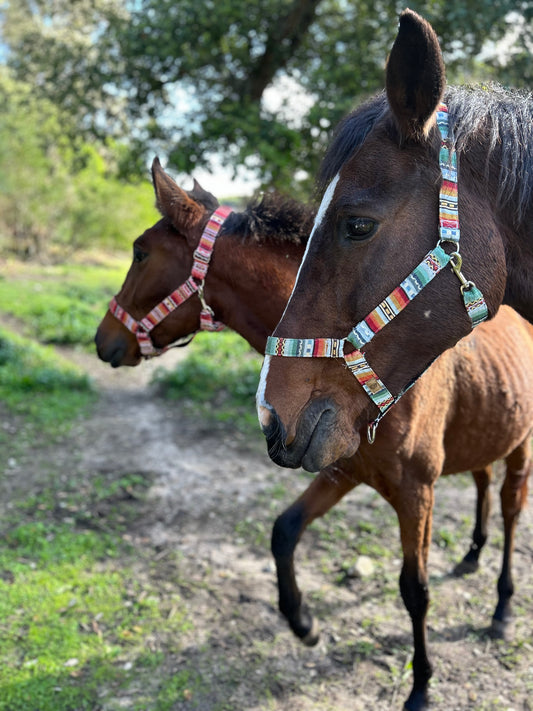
column 459, row 415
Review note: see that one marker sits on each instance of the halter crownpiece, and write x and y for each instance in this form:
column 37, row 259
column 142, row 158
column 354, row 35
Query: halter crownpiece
column 194, row 284
column 433, row 263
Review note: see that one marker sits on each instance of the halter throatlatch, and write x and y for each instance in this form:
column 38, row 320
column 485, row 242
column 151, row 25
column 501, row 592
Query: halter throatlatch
column 194, row 284
column 401, row 296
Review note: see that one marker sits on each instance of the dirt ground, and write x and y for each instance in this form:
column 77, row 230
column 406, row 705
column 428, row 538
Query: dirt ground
column 212, row 498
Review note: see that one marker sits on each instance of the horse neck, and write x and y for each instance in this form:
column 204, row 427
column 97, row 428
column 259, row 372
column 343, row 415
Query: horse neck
column 251, row 284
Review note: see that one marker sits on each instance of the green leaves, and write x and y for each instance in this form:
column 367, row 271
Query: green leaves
column 187, row 79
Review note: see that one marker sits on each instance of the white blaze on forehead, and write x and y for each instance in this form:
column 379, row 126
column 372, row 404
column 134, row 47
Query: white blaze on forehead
column 328, row 195
column 264, row 409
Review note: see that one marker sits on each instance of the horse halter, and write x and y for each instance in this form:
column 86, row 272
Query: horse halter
column 399, row 298
column 194, row 284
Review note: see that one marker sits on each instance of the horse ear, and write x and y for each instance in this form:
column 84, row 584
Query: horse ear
column 198, row 194
column 181, row 209
column 416, row 77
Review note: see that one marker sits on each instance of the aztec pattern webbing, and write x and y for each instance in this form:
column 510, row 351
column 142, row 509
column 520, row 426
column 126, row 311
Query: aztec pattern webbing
column 399, row 298
column 192, row 285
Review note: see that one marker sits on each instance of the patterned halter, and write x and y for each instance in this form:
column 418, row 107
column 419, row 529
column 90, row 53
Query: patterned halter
column 363, row 332
column 194, row 284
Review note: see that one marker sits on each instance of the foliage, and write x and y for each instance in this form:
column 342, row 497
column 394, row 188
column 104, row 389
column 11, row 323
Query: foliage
column 192, row 79
column 56, row 193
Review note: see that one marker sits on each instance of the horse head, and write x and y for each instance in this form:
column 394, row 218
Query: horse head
column 163, row 258
column 379, row 216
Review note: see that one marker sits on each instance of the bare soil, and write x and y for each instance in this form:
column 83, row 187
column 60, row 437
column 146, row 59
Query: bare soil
column 204, row 524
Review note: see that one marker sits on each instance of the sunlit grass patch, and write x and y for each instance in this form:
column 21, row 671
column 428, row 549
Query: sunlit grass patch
column 37, row 383
column 76, row 622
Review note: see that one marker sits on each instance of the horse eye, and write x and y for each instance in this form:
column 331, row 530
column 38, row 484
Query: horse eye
column 359, row 228
column 138, row 255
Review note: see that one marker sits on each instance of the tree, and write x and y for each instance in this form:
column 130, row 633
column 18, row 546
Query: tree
column 57, row 196
column 193, row 78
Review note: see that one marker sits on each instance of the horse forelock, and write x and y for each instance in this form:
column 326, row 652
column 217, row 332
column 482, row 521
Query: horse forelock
column 272, row 218
column 501, row 119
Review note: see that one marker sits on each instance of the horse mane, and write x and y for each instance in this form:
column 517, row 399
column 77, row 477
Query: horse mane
column 499, row 118
column 273, row 218
column 503, row 120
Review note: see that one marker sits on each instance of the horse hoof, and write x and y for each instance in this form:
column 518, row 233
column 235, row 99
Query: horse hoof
column 502, row 629
column 465, row 567
column 312, row 637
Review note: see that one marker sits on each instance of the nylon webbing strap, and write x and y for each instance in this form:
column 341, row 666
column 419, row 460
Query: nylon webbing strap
column 448, row 196
column 202, row 253
column 398, row 299
column 361, row 334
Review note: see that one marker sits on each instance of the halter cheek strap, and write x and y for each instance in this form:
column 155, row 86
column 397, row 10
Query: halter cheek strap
column 401, row 296
column 194, row 284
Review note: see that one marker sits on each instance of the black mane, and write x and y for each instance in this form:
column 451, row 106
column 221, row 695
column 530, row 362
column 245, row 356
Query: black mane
column 273, row 218
column 500, row 118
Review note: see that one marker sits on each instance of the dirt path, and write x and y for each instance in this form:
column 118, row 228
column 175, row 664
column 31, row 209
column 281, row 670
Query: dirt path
column 212, row 499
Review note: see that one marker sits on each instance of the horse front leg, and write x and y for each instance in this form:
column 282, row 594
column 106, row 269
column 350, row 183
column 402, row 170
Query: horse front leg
column 513, row 496
column 415, row 518
column 470, row 562
column 326, row 490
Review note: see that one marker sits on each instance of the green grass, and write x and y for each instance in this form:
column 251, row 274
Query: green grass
column 75, row 622
column 63, row 303
column 38, row 384
column 220, row 376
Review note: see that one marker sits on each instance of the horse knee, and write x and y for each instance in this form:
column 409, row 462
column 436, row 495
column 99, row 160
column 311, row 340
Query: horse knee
column 415, row 592
column 286, row 531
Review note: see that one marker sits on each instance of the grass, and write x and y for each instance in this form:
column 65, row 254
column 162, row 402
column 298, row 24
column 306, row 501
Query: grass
column 64, row 303
column 75, row 626
column 218, row 380
column 40, row 386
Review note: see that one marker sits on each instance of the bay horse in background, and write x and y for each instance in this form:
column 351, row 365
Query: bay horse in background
column 457, row 417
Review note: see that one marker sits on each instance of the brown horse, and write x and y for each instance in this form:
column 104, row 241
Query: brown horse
column 249, row 279
column 377, row 220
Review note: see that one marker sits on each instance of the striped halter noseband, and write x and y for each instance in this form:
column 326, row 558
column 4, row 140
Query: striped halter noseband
column 194, row 284
column 362, row 333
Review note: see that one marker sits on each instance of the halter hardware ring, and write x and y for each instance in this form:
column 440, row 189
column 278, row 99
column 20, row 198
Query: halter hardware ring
column 371, row 431
column 445, row 240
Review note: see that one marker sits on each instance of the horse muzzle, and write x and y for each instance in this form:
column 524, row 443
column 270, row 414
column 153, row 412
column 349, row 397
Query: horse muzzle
column 315, row 443
column 116, row 351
